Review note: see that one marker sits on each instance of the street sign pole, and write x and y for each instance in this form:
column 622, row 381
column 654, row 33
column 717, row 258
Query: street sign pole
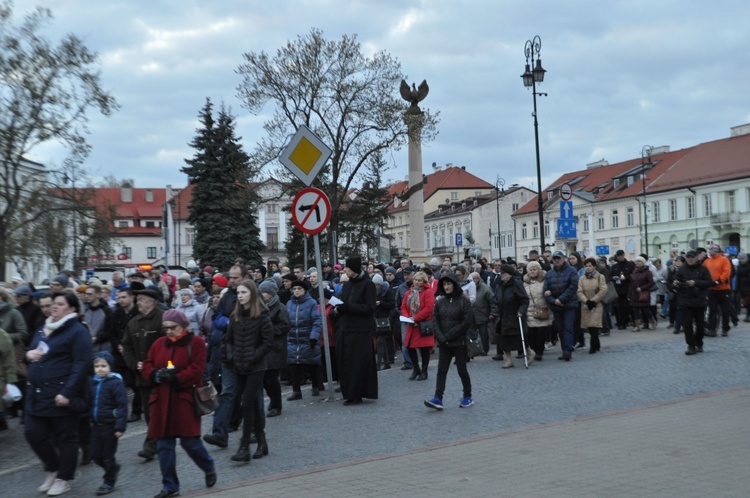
column 324, row 321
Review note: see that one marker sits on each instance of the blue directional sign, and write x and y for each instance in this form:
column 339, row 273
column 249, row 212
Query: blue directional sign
column 602, row 250
column 459, row 239
column 566, row 210
column 566, row 229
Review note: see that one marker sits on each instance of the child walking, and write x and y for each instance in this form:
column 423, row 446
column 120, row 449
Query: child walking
column 109, row 410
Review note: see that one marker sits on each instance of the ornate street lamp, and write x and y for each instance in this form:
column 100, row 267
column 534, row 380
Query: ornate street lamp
column 500, row 188
column 530, row 79
column 645, row 154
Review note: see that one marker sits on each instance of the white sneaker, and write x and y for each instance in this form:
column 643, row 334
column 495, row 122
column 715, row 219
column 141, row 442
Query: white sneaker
column 58, row 488
column 547, row 346
column 48, row 482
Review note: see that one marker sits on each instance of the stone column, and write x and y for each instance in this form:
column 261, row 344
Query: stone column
column 414, row 119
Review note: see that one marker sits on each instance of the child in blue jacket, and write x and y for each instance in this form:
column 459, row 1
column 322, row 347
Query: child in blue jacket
column 109, row 410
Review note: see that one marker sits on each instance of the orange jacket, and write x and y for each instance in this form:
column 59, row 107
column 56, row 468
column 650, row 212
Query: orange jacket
column 720, row 269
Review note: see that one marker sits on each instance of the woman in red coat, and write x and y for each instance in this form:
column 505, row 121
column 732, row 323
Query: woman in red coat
column 174, row 365
column 418, row 304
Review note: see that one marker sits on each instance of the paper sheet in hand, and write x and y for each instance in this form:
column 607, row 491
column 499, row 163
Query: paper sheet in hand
column 43, row 346
column 334, row 301
column 406, row 319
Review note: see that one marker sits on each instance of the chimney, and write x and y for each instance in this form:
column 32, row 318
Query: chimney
column 662, row 149
column 149, row 195
column 740, row 130
column 126, row 194
column 597, row 164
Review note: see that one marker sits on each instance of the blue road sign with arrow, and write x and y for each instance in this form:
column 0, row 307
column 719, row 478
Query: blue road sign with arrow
column 566, row 210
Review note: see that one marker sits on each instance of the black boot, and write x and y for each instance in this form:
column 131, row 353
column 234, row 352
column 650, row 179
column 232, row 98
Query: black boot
column 85, row 455
column 243, row 454
column 415, row 373
column 594, row 343
column 262, row 449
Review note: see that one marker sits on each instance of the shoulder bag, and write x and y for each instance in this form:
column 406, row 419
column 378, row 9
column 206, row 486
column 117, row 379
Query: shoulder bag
column 382, row 325
column 425, row 329
column 205, row 399
column 611, row 295
column 538, row 313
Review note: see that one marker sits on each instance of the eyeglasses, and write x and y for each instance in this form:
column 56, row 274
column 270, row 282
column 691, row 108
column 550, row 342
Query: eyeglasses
column 167, row 328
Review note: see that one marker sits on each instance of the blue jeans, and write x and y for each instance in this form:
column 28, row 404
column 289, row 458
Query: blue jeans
column 165, row 449
column 564, row 324
column 223, row 414
column 404, row 349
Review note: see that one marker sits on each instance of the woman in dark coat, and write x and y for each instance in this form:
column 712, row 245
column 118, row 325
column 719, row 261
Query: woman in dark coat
column 513, row 302
column 358, row 375
column 175, row 364
column 418, row 304
column 303, row 350
column 60, row 361
column 384, row 304
column 248, row 340
column 452, row 318
column 276, row 358
column 639, row 295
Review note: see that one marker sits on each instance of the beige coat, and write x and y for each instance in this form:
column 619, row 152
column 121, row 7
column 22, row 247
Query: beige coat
column 535, row 290
column 592, row 289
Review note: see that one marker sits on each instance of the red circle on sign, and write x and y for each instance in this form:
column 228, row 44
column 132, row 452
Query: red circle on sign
column 306, row 210
column 566, row 191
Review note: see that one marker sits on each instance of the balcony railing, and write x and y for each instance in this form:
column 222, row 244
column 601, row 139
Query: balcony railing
column 725, row 218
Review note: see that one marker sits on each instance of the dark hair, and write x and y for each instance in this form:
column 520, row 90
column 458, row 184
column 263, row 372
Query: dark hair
column 589, row 260
column 242, row 268
column 71, row 298
column 427, row 270
column 506, row 268
column 126, row 290
column 579, row 259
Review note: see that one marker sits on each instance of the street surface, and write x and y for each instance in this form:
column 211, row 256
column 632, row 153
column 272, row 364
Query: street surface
column 638, row 419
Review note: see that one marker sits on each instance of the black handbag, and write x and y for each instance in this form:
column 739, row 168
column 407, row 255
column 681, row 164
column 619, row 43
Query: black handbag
column 382, row 325
column 425, row 329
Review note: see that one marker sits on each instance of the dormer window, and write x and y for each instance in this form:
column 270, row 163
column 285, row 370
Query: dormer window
column 630, row 180
column 616, row 183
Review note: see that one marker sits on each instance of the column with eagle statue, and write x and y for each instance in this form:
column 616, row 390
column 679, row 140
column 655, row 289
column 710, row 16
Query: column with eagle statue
column 414, row 119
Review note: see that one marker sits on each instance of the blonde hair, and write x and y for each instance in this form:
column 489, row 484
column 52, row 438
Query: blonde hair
column 421, row 275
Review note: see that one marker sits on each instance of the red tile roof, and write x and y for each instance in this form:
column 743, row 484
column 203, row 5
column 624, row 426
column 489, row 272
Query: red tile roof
column 454, row 178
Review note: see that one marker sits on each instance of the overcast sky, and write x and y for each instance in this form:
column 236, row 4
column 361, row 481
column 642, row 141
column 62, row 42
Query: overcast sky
column 621, row 75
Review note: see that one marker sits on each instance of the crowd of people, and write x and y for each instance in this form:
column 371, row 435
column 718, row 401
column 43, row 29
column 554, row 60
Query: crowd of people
column 76, row 350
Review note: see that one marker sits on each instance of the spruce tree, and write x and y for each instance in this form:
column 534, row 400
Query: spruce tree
column 223, row 205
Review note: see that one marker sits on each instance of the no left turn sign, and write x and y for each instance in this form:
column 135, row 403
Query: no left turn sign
column 311, row 210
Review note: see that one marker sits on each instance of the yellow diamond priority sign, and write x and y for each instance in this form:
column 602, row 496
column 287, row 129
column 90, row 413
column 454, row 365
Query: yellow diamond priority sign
column 305, row 155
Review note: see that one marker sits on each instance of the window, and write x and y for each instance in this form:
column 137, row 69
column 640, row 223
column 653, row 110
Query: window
column 655, row 212
column 272, row 238
column 616, row 183
column 454, row 196
column 630, row 180
column 586, row 224
column 128, row 251
column 150, row 224
column 731, row 202
column 514, row 207
column 400, row 240
column 524, row 233
column 535, row 229
column 707, row 208
column 630, row 217
column 122, row 224
column 600, row 220
column 615, row 219
column 672, row 209
column 510, row 240
column 272, row 208
column 189, row 236
column 546, row 229
column 151, row 252
column 691, row 207
column 477, row 193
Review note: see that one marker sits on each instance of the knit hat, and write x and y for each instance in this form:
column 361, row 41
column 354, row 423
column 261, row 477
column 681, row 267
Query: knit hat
column 188, row 291
column 377, row 279
column 641, row 259
column 175, row 316
column 269, row 287
column 301, row 283
column 327, row 293
column 62, row 279
column 742, row 255
column 82, row 288
column 221, row 280
column 289, row 276
column 390, row 269
column 354, row 263
column 434, row 262
column 106, row 356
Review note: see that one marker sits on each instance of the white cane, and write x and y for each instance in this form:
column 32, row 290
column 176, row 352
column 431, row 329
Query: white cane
column 523, row 344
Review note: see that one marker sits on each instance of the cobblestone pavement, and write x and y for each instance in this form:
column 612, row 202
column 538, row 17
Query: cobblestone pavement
column 313, row 444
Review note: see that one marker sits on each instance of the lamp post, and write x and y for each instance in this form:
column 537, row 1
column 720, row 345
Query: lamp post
column 530, row 79
column 645, row 153
column 499, row 184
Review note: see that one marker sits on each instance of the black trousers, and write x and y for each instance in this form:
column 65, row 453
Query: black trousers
column 718, row 300
column 313, row 371
column 425, row 355
column 60, row 456
column 273, row 388
column 445, row 355
column 690, row 315
column 103, row 449
column 145, row 394
column 248, row 386
column 623, row 310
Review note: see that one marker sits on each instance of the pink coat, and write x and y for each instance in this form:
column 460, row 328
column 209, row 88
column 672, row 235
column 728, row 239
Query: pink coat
column 426, row 305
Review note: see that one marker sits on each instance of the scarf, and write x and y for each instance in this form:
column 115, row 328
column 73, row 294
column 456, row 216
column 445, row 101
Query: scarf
column 184, row 333
column 50, row 325
column 414, row 299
